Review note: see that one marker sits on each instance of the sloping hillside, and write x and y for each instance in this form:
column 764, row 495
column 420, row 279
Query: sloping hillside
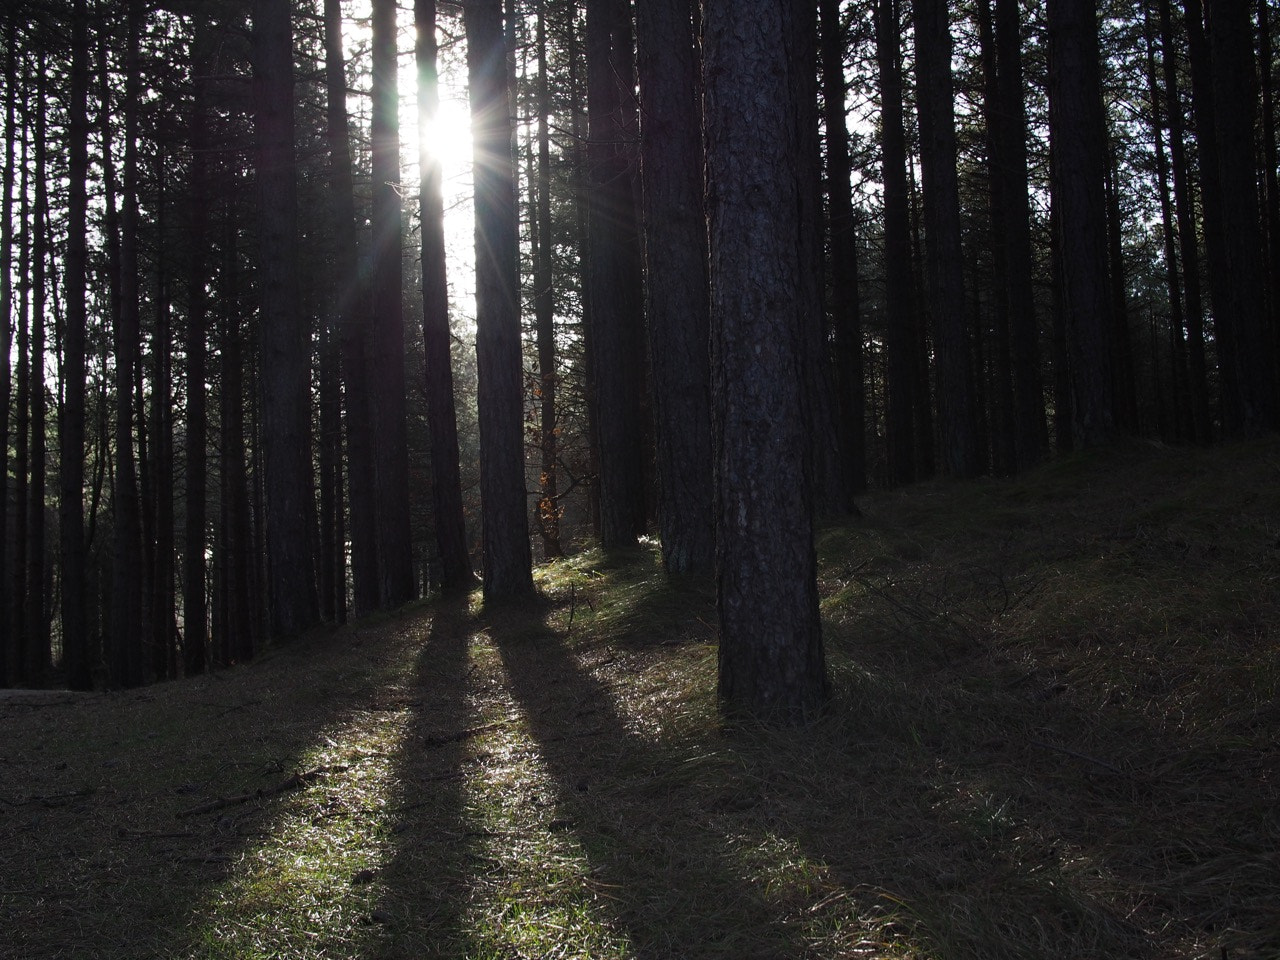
column 1053, row 734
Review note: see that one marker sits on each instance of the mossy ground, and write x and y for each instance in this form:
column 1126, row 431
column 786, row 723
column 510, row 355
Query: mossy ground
column 1053, row 734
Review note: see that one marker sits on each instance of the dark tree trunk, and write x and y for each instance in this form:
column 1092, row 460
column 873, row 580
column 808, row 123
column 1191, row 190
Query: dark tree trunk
column 37, row 642
column 1062, row 415
column 71, row 431
column 240, row 591
column 1030, row 430
column 613, row 288
column 1235, row 96
column 1180, row 427
column 127, row 596
column 507, row 556
column 442, row 420
column 1189, row 250
column 353, row 319
column 1271, row 177
column 944, row 254
column 195, row 613
column 294, row 605
column 1217, row 260
column 899, row 283
column 676, row 305
column 1080, row 169
column 771, row 659
column 845, row 303
column 17, row 638
column 386, row 372
column 1125, row 387
column 6, row 326
column 544, row 304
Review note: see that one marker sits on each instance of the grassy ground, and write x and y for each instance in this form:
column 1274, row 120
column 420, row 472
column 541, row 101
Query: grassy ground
column 1053, row 734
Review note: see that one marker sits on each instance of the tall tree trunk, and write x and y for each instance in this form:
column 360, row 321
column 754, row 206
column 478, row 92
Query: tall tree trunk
column 1031, row 431
column 37, row 643
column 1217, row 261
column 353, row 317
column 544, row 306
column 1181, row 426
column 846, row 311
column 504, row 509
column 240, row 589
column 1271, row 177
column 944, row 254
column 613, row 288
column 294, row 605
column 676, row 305
column 771, row 659
column 899, row 301
column 1080, row 166
column 1189, row 249
column 1235, row 96
column 126, row 604
column 6, row 323
column 442, row 421
column 195, row 614
column 17, row 642
column 390, row 434
column 71, row 430
column 1125, row 388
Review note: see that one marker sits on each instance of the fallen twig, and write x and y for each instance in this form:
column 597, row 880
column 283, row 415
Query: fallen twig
column 1079, row 756
column 292, row 782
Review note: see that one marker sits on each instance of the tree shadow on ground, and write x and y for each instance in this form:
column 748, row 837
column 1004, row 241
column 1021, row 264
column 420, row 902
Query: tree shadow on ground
column 424, row 885
column 128, row 811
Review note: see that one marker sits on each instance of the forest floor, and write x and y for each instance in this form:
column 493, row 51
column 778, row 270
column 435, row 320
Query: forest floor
column 1054, row 733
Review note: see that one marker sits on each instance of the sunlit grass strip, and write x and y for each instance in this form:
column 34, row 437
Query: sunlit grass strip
column 532, row 894
column 309, row 887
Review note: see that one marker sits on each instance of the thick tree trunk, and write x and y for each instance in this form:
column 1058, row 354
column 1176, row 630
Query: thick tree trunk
column 1079, row 144
column 127, row 596
column 442, row 421
column 845, row 303
column 899, row 283
column 507, row 556
column 386, row 372
column 1189, row 249
column 71, row 431
column 195, row 637
column 353, row 319
column 676, row 305
column 6, row 323
column 544, row 307
column 37, row 642
column 1031, row 431
column 285, row 344
column 771, row 659
column 1235, row 96
column 614, row 289
column 944, row 254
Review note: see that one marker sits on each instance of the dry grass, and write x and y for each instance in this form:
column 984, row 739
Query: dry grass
column 1053, row 735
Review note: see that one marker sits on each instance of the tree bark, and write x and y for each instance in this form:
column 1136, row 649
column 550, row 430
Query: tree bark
column 676, row 305
column 614, row 290
column 899, row 301
column 37, row 642
column 507, row 556
column 387, row 374
column 442, row 421
column 1188, row 247
column 845, row 303
column 1079, row 137
column 944, row 254
column 1235, row 96
column 6, row 325
column 771, row 661
column 71, row 431
column 285, row 344
column 353, row 318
